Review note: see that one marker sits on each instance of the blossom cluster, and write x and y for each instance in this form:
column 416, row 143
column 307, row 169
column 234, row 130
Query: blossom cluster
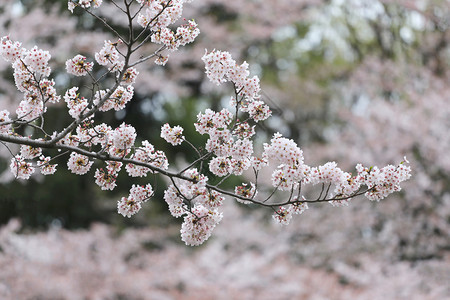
column 221, row 67
column 118, row 143
column 198, row 225
column 380, row 183
column 84, row 4
column 110, row 56
column 185, row 34
column 128, row 206
column 160, row 14
column 75, row 103
column 157, row 16
column 11, row 51
column 146, row 154
column 78, row 66
column 198, row 204
column 31, row 70
column 22, row 167
column 284, row 214
column 231, row 141
column 172, row 135
column 384, row 181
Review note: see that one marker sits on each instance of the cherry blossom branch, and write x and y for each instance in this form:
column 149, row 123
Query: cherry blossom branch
column 229, row 149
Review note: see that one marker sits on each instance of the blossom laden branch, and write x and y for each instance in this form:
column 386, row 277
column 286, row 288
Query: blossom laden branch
column 196, row 194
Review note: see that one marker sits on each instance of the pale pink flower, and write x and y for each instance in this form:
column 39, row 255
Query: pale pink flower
column 147, row 154
column 75, row 103
column 242, row 149
column 49, row 91
column 161, row 60
column 70, row 140
column 129, row 76
column 22, row 77
column 244, row 130
column 145, row 2
column 220, row 142
column 9, row 50
column 45, row 166
column 220, row 166
column 282, row 216
column 29, row 152
column 141, row 193
column 198, row 225
column 251, row 87
column 167, row 37
column 212, row 120
column 123, row 137
column 258, row 162
column 211, row 199
column 20, row 168
column 71, row 6
column 28, row 110
column 154, row 10
column 107, row 104
column 116, row 152
column 283, row 150
column 119, row 98
column 113, row 167
column 282, row 180
column 36, row 61
column 258, row 111
column 192, row 190
column 175, row 201
column 347, row 186
column 78, row 66
column 128, row 206
column 217, row 65
column 187, row 33
column 84, row 131
column 96, row 3
column 105, row 180
column 247, row 191
column 78, row 163
column 100, row 134
column 172, row 135
column 240, row 165
column 328, row 173
column 108, row 55
column 137, row 170
column 238, row 74
column 298, row 207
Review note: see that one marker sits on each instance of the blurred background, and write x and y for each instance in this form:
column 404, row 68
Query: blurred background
column 350, row 81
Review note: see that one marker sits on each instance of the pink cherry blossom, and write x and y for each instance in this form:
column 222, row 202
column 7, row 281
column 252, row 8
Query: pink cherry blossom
column 124, row 136
column 79, row 164
column 45, row 166
column 198, row 225
column 128, row 206
column 20, row 168
column 172, row 135
column 78, row 66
